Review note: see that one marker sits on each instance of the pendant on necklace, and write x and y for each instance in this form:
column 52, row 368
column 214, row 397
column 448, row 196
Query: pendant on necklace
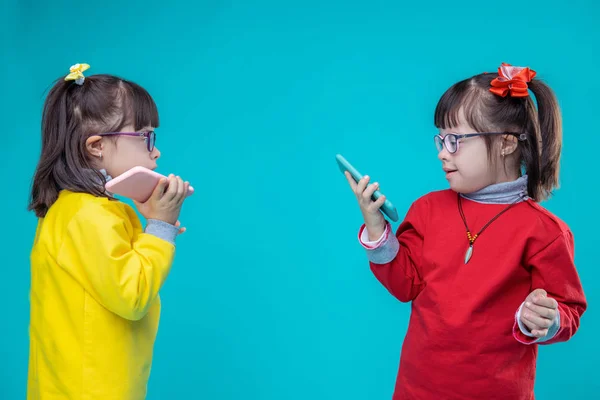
column 469, row 253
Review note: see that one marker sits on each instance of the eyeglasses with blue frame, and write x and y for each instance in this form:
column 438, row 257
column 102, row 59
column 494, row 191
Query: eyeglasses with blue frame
column 451, row 140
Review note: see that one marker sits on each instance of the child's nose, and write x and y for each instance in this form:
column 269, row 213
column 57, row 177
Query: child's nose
column 443, row 155
column 155, row 154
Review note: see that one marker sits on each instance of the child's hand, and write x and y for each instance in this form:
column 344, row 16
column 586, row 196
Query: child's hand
column 374, row 220
column 165, row 202
column 539, row 312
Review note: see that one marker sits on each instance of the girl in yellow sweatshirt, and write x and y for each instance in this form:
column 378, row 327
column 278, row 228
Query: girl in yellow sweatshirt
column 95, row 271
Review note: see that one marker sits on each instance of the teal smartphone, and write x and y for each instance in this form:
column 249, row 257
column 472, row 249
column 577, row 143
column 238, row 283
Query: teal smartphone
column 387, row 208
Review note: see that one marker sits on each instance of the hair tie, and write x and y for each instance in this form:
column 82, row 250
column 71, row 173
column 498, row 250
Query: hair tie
column 76, row 73
column 512, row 80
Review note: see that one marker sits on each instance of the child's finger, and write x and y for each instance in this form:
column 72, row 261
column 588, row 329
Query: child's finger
column 377, row 204
column 159, row 189
column 172, row 189
column 179, row 196
column 351, row 181
column 543, row 312
column 368, row 193
column 539, row 332
column 536, row 320
column 545, row 302
column 186, row 186
column 362, row 184
column 530, row 325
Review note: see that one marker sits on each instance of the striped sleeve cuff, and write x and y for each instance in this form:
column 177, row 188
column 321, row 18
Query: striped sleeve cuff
column 384, row 249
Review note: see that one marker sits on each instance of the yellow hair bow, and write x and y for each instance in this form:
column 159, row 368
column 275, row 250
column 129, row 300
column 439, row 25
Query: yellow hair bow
column 76, row 73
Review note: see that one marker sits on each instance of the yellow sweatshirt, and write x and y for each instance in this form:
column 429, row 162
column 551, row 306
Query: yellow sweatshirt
column 95, row 277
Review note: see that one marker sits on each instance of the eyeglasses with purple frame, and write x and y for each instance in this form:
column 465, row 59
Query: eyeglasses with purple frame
column 149, row 137
column 451, row 140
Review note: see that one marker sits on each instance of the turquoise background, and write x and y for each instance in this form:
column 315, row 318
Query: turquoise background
column 271, row 296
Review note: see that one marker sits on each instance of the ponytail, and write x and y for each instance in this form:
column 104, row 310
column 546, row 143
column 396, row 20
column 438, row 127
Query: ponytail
column 548, row 134
column 55, row 117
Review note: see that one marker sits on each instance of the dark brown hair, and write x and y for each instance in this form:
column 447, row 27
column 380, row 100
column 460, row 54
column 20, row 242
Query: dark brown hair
column 72, row 113
column 539, row 153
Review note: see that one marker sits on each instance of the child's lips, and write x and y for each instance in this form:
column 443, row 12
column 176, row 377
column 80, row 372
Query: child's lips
column 449, row 172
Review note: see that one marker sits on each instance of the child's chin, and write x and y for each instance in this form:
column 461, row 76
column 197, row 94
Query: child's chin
column 456, row 187
column 464, row 189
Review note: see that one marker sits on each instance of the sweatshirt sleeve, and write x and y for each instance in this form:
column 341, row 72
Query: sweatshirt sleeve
column 396, row 260
column 553, row 269
column 122, row 269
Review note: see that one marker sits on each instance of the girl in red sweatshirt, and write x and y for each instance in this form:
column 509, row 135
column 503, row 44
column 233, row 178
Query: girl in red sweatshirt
column 489, row 272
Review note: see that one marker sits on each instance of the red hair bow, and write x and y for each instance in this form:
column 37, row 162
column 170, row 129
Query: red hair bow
column 512, row 80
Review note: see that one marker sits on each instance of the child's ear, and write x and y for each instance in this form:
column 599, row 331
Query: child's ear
column 93, row 145
column 509, row 144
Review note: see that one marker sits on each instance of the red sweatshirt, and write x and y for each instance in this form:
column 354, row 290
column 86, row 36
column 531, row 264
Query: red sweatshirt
column 462, row 340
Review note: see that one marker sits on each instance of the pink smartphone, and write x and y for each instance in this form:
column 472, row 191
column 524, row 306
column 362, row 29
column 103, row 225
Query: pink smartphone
column 137, row 184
